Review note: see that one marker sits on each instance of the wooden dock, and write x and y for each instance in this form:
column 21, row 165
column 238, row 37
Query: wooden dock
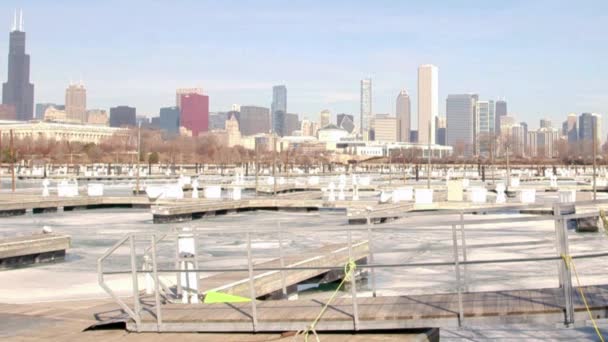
column 269, row 282
column 394, row 312
column 32, row 249
column 198, row 209
column 14, row 205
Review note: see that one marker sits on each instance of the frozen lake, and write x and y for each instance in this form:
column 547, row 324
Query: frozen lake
column 403, row 241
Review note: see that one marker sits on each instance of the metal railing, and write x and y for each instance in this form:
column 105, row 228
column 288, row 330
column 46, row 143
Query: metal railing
column 459, row 261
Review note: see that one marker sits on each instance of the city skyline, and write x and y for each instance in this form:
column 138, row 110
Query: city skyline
column 150, row 83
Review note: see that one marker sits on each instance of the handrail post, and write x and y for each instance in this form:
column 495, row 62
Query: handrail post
column 136, row 303
column 159, row 319
column 564, row 252
column 464, row 252
column 371, row 255
column 179, row 289
column 457, row 268
column 254, row 313
column 353, row 283
column 282, row 261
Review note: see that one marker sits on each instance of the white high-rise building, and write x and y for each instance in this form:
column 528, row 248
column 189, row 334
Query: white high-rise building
column 428, row 102
column 403, row 113
column 325, row 118
column 366, row 107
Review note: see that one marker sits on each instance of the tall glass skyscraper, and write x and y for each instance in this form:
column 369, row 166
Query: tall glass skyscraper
column 169, row 120
column 17, row 90
column 279, row 109
column 460, row 123
column 485, row 125
column 366, row 107
column 501, row 110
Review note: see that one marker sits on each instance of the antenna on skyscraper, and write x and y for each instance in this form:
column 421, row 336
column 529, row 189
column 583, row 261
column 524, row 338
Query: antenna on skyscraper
column 21, row 20
column 14, row 28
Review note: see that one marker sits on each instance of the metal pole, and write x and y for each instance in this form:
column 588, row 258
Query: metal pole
column 371, row 255
column 254, row 311
column 562, row 233
column 353, row 284
column 257, row 166
column 274, row 164
column 159, row 318
column 594, row 156
column 428, row 176
column 136, row 303
column 12, row 162
column 178, row 267
column 1, row 157
column 457, row 268
column 464, row 251
column 390, row 171
column 282, row 261
column 508, row 170
column 138, row 157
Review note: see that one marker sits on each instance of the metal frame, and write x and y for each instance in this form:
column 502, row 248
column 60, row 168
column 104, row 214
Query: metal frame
column 562, row 249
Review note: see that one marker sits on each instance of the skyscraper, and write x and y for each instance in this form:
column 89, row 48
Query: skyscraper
column 485, row 125
column 428, row 102
column 501, row 110
column 183, row 91
column 169, row 120
column 586, row 124
column 278, row 109
column 122, row 116
column 17, row 90
column 545, row 123
column 325, row 118
column 366, row 107
column 460, row 123
column 194, row 113
column 292, row 123
column 570, row 130
column 440, row 130
column 76, row 102
column 403, row 113
column 524, row 128
column 346, row 122
column 254, row 120
column 385, row 128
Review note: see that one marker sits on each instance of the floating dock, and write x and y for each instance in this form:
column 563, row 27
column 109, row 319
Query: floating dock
column 32, row 249
column 268, row 283
column 392, row 312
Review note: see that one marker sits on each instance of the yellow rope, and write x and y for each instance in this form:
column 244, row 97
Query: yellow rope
column 604, row 220
column 349, row 270
column 569, row 262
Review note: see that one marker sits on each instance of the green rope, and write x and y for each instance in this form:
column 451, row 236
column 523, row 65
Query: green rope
column 349, row 271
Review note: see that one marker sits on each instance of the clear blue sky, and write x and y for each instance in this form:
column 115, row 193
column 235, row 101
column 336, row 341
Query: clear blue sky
column 547, row 58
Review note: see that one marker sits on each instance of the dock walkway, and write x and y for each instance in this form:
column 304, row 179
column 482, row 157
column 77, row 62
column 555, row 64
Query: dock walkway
column 393, row 312
column 268, row 282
